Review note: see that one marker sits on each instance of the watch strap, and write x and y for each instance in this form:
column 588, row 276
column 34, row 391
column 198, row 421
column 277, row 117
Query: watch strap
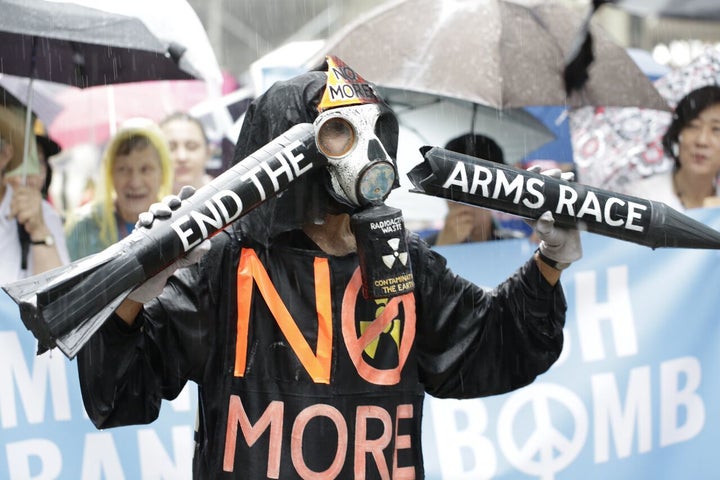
column 550, row 262
column 45, row 241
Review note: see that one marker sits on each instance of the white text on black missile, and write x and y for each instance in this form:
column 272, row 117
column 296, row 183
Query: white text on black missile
column 528, row 191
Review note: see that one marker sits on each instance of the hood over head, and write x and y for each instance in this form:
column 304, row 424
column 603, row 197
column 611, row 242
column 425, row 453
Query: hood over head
column 310, row 198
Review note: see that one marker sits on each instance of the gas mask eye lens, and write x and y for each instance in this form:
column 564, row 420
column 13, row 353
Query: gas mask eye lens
column 336, row 137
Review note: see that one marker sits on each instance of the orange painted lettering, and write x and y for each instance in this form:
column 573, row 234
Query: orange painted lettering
column 355, row 346
column 363, row 445
column 272, row 417
column 297, row 440
column 251, row 272
column 402, row 442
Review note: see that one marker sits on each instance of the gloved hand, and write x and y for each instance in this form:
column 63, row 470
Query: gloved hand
column 560, row 245
column 164, row 208
column 153, row 286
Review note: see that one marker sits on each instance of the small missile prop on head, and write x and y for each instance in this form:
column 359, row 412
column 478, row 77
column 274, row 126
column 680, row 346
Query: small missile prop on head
column 471, row 180
column 65, row 306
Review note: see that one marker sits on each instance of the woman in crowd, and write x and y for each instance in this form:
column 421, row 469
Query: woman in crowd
column 189, row 149
column 31, row 232
column 693, row 141
column 137, row 172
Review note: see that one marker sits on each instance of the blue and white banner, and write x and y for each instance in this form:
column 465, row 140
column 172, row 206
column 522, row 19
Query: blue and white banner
column 46, row 435
column 634, row 394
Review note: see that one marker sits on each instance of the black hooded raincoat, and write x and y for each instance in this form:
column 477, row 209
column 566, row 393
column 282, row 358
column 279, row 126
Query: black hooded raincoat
column 299, row 376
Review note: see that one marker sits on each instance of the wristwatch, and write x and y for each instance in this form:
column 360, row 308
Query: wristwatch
column 552, row 263
column 49, row 241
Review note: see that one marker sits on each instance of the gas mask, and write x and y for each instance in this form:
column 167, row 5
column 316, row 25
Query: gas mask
column 356, row 140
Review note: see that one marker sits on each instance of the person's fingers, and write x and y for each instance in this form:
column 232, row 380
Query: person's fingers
column 160, row 210
column 535, row 169
column 552, row 172
column 568, row 176
column 172, row 201
column 545, row 223
column 186, row 191
column 145, row 219
column 25, row 204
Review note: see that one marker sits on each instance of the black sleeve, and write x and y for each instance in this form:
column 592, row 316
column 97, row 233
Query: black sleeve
column 126, row 371
column 473, row 342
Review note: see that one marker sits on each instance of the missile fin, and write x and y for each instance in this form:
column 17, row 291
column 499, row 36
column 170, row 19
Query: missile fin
column 71, row 342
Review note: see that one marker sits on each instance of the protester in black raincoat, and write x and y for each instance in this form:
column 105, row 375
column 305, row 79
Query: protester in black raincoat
column 299, row 375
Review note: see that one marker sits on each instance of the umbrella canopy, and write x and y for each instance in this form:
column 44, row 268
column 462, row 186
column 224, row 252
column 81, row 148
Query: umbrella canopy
column 615, row 146
column 46, row 105
column 92, row 115
column 499, row 53
column 98, row 42
column 688, row 9
column 436, row 120
column 110, row 42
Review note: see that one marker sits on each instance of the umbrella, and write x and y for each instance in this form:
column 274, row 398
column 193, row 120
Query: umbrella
column 92, row 115
column 97, row 42
column 499, row 53
column 45, row 95
column 556, row 118
column 687, row 9
column 436, row 120
column 86, row 43
column 615, row 146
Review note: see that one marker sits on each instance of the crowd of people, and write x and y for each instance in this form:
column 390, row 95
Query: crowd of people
column 145, row 161
column 294, row 263
column 142, row 163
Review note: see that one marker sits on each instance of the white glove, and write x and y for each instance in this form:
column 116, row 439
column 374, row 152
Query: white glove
column 164, row 208
column 561, row 246
column 153, row 286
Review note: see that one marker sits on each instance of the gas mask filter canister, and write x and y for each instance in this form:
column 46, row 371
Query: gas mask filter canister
column 382, row 250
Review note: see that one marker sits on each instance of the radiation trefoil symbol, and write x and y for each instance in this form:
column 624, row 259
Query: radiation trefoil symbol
column 389, row 260
column 393, row 329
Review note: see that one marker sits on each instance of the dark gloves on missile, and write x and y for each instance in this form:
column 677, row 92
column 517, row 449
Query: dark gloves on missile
column 559, row 247
column 153, row 286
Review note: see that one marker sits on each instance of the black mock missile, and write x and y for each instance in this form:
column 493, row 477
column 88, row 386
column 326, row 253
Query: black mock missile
column 65, row 306
column 482, row 183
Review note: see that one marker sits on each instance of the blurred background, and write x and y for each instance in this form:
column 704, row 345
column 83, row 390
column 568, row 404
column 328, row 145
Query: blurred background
column 242, row 32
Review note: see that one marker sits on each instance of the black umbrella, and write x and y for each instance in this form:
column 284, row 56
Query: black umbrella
column 82, row 46
column 84, row 43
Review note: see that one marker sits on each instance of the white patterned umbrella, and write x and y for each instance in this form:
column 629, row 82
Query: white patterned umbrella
column 615, row 146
